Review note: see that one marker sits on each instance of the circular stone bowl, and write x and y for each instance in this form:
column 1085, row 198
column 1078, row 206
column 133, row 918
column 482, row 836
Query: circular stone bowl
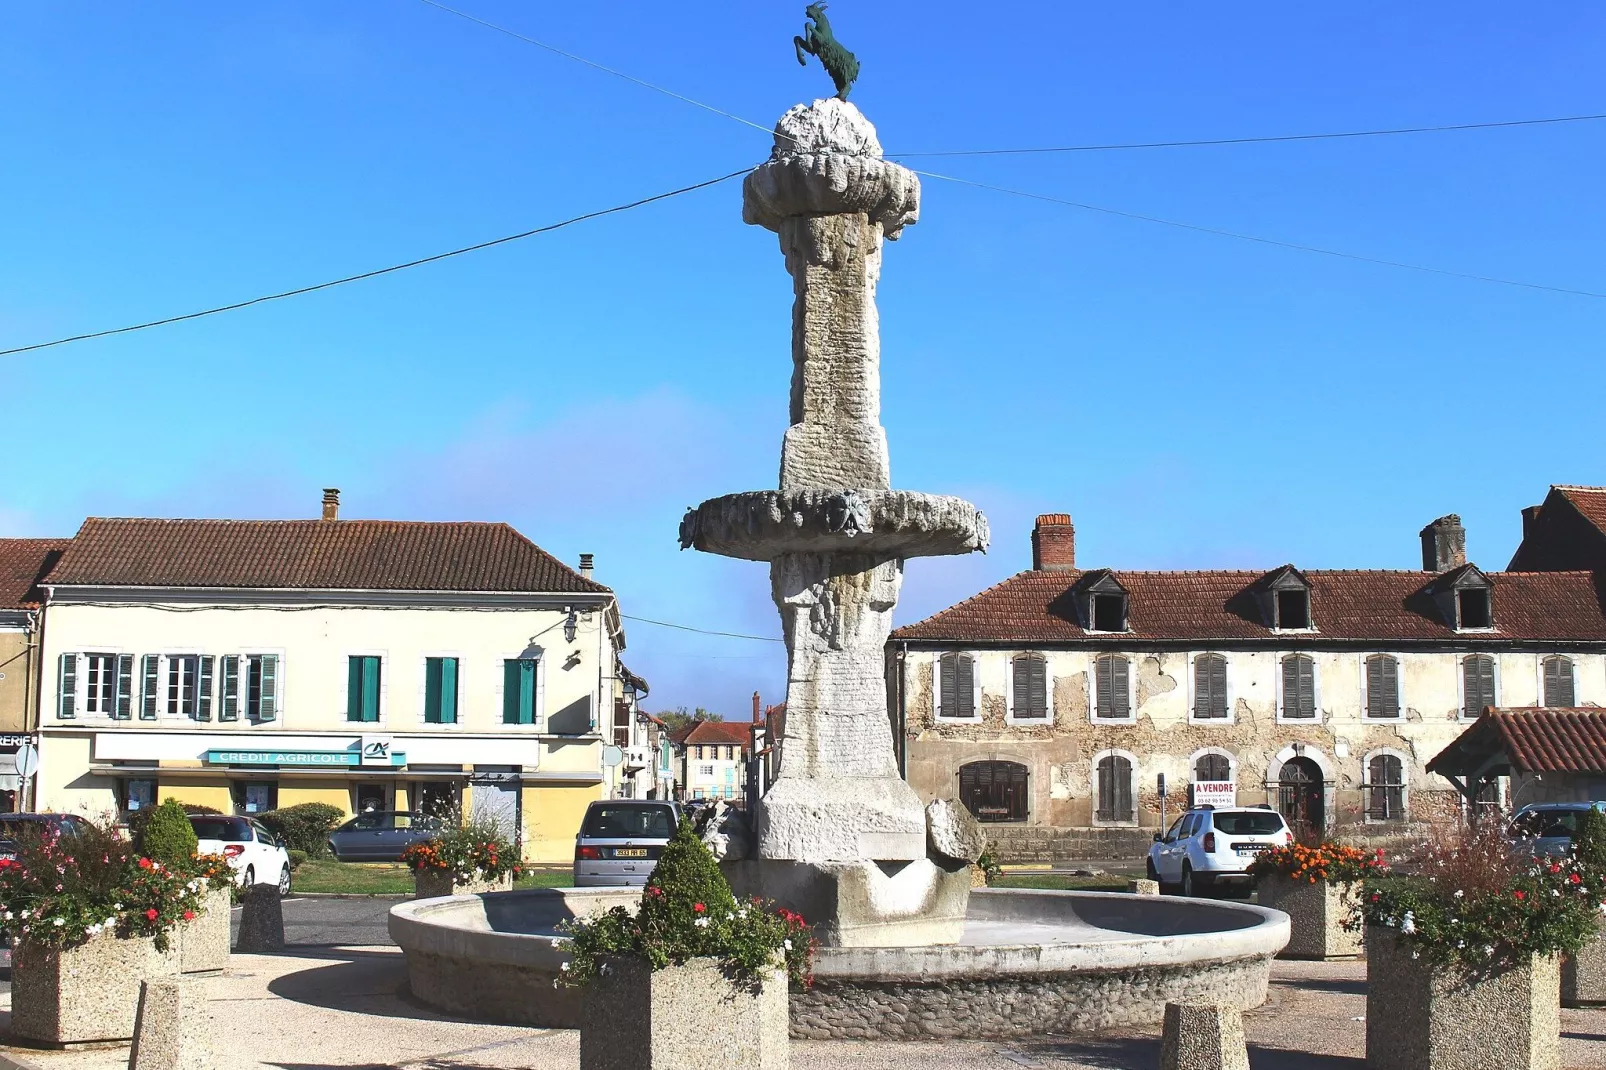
column 1029, row 962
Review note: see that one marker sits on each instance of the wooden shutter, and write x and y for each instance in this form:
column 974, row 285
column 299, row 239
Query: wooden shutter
column 354, row 688
column 964, row 686
column 150, row 685
column 123, row 700
column 432, row 690
column 512, row 678
column 1382, row 686
column 1120, row 687
column 1559, row 682
column 268, row 701
column 1477, row 674
column 1031, row 686
column 203, row 689
column 370, row 689
column 228, row 706
column 1123, row 788
column 1299, row 686
column 948, row 685
column 1210, row 686
column 67, row 687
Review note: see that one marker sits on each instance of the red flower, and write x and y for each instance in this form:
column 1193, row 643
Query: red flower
column 1520, row 894
column 189, row 915
column 151, row 913
column 144, row 863
column 698, row 907
column 655, row 891
column 1576, row 879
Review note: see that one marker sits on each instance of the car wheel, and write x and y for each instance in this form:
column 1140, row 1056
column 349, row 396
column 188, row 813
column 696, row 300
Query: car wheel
column 284, row 881
column 1187, row 879
column 250, row 876
column 1154, row 874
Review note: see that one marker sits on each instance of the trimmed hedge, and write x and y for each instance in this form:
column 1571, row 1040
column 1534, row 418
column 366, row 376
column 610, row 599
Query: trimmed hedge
column 305, row 827
column 166, row 836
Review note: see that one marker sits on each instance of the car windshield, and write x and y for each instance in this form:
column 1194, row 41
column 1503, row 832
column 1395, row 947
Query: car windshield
column 627, row 822
column 1546, row 823
column 11, row 829
column 1253, row 823
column 227, row 829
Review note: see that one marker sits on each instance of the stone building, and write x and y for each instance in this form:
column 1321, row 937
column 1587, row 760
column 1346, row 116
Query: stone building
column 1054, row 703
column 23, row 563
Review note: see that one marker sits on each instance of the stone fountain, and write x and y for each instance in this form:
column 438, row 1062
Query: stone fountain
column 840, row 837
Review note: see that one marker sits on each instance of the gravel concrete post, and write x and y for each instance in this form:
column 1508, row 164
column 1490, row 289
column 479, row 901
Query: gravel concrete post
column 1143, row 887
column 1583, row 976
column 203, row 941
column 689, row 1017
column 1316, row 916
column 1201, row 1036
column 261, row 921
column 172, row 1030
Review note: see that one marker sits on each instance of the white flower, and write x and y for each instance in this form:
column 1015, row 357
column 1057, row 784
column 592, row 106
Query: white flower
column 110, row 922
column 1408, row 923
column 729, row 916
column 742, row 913
column 1459, row 893
column 701, row 923
column 565, row 967
column 1416, row 954
column 8, row 915
column 117, row 906
column 787, row 944
column 58, row 923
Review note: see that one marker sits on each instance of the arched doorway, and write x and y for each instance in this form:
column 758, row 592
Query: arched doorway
column 1300, row 797
column 994, row 791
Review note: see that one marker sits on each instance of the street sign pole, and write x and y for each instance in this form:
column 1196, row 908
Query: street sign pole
column 1159, row 783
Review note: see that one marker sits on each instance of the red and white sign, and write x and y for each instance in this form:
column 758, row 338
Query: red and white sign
column 1217, row 793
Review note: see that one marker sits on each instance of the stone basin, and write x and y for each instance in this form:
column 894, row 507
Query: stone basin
column 761, row 525
column 1029, row 962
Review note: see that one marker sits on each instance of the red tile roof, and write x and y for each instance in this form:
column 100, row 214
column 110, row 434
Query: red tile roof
column 1040, row 607
column 23, row 562
column 1589, row 501
column 371, row 555
column 721, row 732
column 1571, row 740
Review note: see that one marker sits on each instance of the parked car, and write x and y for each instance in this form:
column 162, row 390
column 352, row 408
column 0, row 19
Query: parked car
column 255, row 854
column 1547, row 828
column 13, row 825
column 1210, row 848
column 620, row 840
column 381, row 835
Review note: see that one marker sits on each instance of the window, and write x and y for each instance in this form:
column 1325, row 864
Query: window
column 1293, row 608
column 440, row 690
column 1472, row 608
column 1248, row 823
column 1558, row 675
column 621, row 723
column 1112, row 687
column 362, row 687
column 189, row 686
column 705, row 770
column 67, row 686
column 518, row 691
column 1109, row 612
column 1212, row 767
column 1210, row 687
column 1382, row 686
column 255, row 796
column 108, row 682
column 262, row 686
column 699, row 750
column 1115, row 789
column 1299, row 687
column 1385, row 781
column 994, row 790
column 956, row 687
column 1029, row 694
column 1477, row 684
column 137, row 795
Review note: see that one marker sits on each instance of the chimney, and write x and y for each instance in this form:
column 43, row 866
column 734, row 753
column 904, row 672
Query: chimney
column 1444, row 544
column 585, row 565
column 331, row 503
column 1054, row 543
column 1530, row 520
column 758, row 710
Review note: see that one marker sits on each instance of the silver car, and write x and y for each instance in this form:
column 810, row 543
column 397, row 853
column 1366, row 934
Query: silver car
column 620, row 840
column 1547, row 828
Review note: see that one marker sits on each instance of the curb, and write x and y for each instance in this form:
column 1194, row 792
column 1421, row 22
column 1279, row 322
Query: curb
column 343, row 895
column 11, row 1062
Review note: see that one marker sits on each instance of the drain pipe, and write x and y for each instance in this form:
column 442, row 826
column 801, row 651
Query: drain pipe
column 903, row 710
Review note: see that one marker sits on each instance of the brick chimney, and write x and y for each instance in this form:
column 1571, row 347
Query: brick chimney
column 1444, row 544
column 1054, row 543
column 331, row 503
column 585, row 564
column 758, row 709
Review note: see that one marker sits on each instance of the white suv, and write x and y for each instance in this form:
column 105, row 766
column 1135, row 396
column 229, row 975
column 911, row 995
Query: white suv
column 1210, row 848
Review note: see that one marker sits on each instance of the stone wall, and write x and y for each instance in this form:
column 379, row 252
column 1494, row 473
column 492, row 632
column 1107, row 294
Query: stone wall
column 1042, row 843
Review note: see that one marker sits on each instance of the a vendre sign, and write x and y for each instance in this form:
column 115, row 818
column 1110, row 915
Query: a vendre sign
column 1215, row 793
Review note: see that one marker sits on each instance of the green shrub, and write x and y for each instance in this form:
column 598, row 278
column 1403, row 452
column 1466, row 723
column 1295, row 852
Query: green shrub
column 296, row 858
column 166, row 835
column 304, row 827
column 1589, row 842
column 477, row 848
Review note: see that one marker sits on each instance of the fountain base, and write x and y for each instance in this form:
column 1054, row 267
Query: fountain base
column 863, row 904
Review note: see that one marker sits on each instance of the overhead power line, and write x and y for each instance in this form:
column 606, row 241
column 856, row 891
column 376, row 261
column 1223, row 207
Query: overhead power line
column 1219, row 232
column 377, row 271
column 702, row 631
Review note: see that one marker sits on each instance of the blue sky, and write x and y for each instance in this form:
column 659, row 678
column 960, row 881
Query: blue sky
column 1193, row 401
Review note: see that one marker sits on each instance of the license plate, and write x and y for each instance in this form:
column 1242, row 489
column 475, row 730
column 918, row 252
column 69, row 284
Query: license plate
column 1251, row 850
column 630, row 852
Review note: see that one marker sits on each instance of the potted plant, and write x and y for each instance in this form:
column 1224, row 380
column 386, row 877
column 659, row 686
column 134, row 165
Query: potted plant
column 693, row 978
column 91, row 918
column 1463, row 955
column 1317, row 887
column 202, row 941
column 1583, row 973
column 464, row 859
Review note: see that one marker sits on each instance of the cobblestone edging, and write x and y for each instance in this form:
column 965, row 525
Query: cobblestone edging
column 1021, row 1006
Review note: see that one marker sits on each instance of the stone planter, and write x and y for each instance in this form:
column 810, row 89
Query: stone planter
column 203, row 944
column 1316, row 914
column 434, row 883
column 1421, row 1017
column 1583, row 976
column 689, row 1017
column 84, row 994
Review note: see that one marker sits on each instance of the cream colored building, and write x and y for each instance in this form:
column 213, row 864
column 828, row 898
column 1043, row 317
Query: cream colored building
column 249, row 665
column 23, row 562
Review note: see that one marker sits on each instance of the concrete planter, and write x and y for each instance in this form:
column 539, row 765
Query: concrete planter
column 203, row 943
column 1583, row 976
column 690, row 1017
column 434, row 883
column 1316, row 915
column 1422, row 1017
column 84, row 994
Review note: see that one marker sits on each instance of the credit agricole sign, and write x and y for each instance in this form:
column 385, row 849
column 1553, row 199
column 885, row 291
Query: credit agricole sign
column 317, row 758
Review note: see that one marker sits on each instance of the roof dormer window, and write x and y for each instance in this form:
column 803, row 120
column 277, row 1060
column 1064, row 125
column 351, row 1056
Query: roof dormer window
column 1103, row 601
column 1284, row 597
column 1472, row 608
column 1109, row 612
column 1465, row 597
column 1293, row 609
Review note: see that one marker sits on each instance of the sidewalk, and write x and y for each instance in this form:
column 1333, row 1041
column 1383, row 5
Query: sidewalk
column 335, row 1008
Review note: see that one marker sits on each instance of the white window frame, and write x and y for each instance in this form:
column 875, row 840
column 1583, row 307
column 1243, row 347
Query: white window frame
column 385, row 669
column 164, row 687
column 1315, row 686
column 1399, row 687
column 278, row 684
column 1132, row 663
column 1539, row 676
column 1048, row 689
column 1461, row 684
column 81, row 699
column 1232, row 762
column 975, row 687
column 537, row 724
column 1405, row 785
column 423, row 687
column 1093, row 783
column 1232, row 690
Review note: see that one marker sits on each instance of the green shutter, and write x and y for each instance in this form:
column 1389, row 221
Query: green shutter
column 268, row 706
column 527, row 692
column 448, row 691
column 203, row 702
column 149, row 665
column 370, row 689
column 123, row 704
column 511, row 679
column 228, row 707
column 354, row 689
column 67, row 687
column 432, row 690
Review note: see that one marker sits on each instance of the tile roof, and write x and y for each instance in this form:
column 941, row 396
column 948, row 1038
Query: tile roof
column 732, row 732
column 23, row 562
column 371, row 555
column 1040, row 607
column 1569, row 740
column 1589, row 501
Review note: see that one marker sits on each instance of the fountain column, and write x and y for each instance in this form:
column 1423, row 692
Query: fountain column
column 840, row 836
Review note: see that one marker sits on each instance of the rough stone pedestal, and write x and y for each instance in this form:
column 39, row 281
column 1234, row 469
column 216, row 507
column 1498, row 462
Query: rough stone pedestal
column 203, row 941
column 1583, row 976
column 1142, row 886
column 864, row 903
column 173, row 1030
column 1201, row 1036
column 1316, row 916
column 84, row 994
column 434, row 883
column 689, row 1017
column 261, row 921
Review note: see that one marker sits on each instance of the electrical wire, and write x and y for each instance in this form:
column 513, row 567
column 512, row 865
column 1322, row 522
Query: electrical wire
column 702, row 631
column 1218, row 232
column 378, row 271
